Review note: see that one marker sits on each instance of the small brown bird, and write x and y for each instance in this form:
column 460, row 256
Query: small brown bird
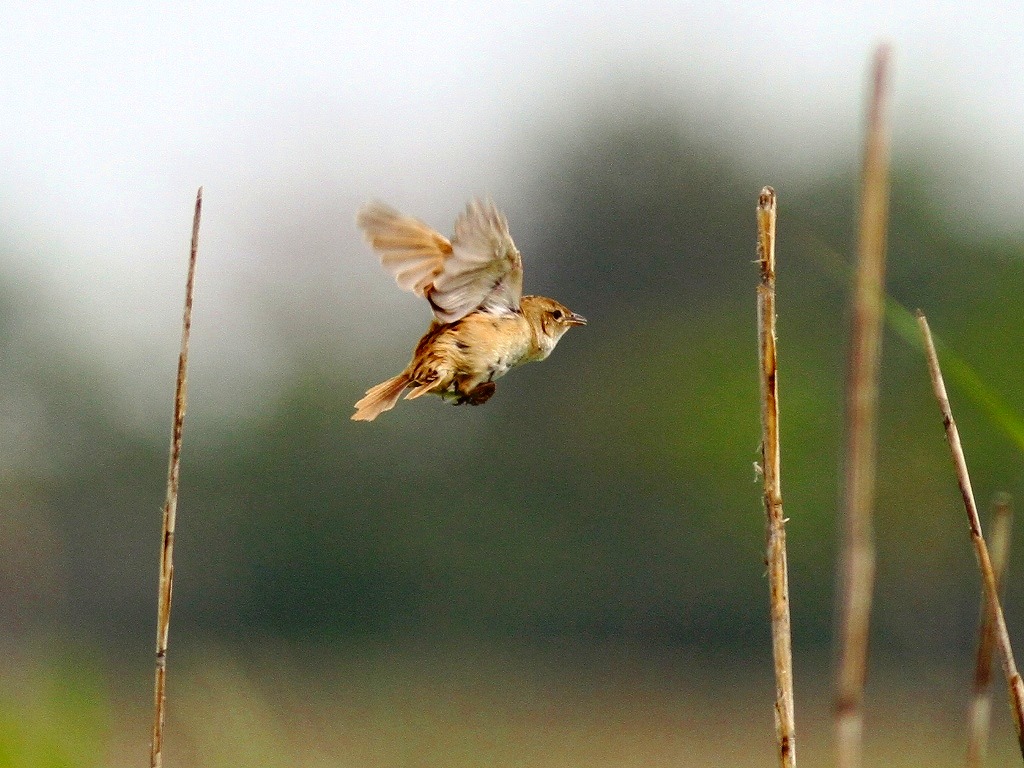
column 483, row 324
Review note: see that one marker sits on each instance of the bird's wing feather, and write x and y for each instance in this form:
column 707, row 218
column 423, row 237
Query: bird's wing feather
column 484, row 270
column 479, row 269
column 408, row 249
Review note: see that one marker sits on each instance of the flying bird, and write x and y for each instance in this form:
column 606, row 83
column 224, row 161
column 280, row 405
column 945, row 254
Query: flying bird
column 483, row 325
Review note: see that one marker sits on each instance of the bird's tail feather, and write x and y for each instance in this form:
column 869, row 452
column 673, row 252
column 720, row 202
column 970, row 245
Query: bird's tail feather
column 381, row 398
column 424, row 388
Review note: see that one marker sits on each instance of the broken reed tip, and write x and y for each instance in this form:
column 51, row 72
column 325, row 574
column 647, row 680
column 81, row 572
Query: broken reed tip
column 767, row 198
column 883, row 55
column 880, row 77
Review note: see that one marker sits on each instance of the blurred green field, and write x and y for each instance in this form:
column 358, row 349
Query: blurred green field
column 297, row 707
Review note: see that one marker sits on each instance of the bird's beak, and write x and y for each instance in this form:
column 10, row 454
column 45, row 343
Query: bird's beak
column 575, row 319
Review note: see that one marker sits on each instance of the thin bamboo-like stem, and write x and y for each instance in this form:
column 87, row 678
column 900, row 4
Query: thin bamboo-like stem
column 980, row 715
column 857, row 564
column 163, row 620
column 988, row 577
column 775, row 521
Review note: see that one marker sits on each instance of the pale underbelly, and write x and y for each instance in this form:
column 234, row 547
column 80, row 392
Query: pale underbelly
column 491, row 372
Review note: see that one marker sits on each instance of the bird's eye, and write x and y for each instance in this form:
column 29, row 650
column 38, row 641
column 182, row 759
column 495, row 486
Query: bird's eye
column 557, row 314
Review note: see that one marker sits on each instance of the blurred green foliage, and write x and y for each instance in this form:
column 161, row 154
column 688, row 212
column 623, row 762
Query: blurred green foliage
column 53, row 714
column 608, row 494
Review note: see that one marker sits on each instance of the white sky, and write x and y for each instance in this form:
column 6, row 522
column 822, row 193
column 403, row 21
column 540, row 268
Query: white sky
column 113, row 113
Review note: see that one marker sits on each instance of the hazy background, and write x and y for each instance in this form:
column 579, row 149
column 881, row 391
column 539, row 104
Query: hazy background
column 573, row 573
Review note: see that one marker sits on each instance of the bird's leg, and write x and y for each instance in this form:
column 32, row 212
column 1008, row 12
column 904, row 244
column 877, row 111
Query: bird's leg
column 479, row 395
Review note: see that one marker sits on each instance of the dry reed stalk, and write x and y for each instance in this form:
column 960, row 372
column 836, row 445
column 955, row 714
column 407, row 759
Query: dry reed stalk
column 988, row 577
column 980, row 714
column 163, row 620
column 775, row 523
column 857, row 564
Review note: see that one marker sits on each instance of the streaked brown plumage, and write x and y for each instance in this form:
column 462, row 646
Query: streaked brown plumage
column 483, row 326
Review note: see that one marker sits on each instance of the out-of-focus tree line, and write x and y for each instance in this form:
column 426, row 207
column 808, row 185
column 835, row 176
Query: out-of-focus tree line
column 607, row 495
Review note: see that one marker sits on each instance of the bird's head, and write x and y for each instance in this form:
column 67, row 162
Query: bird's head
column 550, row 320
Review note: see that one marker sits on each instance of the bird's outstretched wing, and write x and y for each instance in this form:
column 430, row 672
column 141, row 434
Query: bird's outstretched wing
column 484, row 270
column 479, row 268
column 408, row 248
